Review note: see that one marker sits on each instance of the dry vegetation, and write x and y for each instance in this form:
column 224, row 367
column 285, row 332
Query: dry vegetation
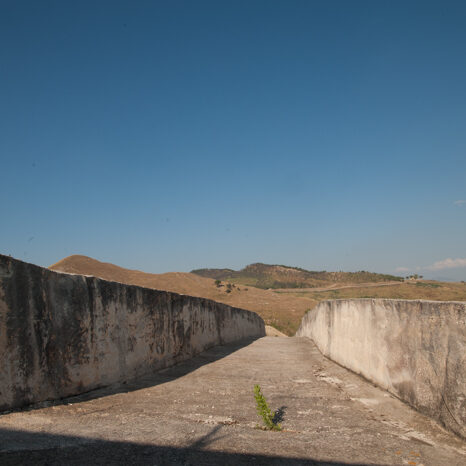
column 281, row 276
column 431, row 290
column 280, row 308
column 280, row 311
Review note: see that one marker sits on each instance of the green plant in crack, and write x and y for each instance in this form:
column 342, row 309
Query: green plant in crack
column 263, row 410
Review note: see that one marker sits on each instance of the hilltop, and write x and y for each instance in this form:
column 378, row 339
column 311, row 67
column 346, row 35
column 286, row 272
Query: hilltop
column 267, row 276
column 283, row 312
column 281, row 307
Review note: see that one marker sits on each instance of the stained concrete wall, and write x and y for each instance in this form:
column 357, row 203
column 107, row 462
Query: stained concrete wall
column 63, row 334
column 414, row 349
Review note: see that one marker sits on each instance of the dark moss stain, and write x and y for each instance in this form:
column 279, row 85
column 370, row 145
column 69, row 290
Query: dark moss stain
column 74, row 331
column 131, row 343
column 218, row 321
column 21, row 396
column 406, row 391
column 19, row 298
column 132, row 299
column 90, row 306
column 107, row 293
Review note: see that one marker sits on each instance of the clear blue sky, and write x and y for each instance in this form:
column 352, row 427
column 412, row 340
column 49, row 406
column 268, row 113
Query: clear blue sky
column 166, row 136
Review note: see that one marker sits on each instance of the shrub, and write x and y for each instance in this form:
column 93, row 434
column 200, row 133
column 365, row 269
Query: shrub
column 263, row 410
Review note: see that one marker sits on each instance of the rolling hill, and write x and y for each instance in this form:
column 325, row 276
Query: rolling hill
column 281, row 276
column 281, row 307
column 284, row 312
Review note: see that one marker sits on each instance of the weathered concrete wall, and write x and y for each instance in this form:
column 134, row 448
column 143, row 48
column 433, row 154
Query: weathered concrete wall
column 63, row 334
column 414, row 349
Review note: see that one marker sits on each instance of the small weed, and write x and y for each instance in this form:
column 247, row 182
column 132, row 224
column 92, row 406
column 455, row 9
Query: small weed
column 264, row 412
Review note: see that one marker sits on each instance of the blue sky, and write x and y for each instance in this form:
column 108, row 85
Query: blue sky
column 167, row 136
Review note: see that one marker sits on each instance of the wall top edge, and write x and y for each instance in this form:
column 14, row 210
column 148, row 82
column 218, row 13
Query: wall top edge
column 390, row 300
column 4, row 258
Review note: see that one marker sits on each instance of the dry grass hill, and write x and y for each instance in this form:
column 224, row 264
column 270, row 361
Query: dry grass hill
column 282, row 307
column 283, row 312
column 412, row 289
column 281, row 276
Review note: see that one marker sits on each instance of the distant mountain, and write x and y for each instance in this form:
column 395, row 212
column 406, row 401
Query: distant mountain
column 281, row 276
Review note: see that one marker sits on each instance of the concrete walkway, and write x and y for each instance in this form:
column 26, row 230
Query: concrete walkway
column 203, row 412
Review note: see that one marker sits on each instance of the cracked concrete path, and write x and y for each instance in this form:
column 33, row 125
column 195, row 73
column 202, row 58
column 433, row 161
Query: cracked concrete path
column 203, row 412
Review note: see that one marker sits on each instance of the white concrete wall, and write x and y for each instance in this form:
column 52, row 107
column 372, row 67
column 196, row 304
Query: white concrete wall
column 63, row 334
column 414, row 349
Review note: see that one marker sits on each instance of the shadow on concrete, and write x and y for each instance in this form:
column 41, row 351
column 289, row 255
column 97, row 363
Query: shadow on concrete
column 207, row 439
column 149, row 380
column 279, row 415
column 60, row 450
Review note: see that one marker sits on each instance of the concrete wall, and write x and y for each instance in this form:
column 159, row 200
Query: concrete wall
column 414, row 349
column 64, row 334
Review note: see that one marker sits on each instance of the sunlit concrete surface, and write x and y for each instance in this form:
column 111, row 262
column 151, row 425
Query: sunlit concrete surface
column 202, row 411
